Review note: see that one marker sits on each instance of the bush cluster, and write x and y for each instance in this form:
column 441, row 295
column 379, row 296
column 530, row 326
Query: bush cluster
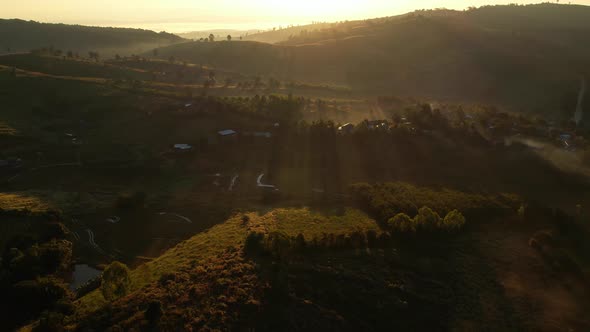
column 282, row 246
column 426, row 220
column 385, row 200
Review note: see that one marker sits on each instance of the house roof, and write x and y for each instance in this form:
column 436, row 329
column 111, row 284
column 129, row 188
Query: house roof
column 182, row 146
column 346, row 126
column 262, row 134
column 227, row 132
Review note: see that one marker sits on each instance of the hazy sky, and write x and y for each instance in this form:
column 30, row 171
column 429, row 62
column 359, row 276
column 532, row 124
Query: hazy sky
column 184, row 15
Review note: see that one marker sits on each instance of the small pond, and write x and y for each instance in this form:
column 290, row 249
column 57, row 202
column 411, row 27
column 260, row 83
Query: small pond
column 82, row 274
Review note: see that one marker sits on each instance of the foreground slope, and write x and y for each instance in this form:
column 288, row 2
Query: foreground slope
column 488, row 276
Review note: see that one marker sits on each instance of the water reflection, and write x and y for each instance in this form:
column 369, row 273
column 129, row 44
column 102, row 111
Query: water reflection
column 82, row 274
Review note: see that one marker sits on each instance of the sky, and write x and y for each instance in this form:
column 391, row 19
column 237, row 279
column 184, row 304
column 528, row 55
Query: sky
column 189, row 15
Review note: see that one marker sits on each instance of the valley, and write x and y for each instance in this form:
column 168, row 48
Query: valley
column 422, row 172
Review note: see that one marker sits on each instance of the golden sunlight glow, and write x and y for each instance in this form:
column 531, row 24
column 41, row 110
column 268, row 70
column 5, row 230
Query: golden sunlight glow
column 183, row 15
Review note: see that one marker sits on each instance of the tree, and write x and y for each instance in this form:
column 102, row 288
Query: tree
column 228, row 37
column 427, row 219
column 211, row 38
column 55, row 255
column 402, row 222
column 115, row 281
column 454, row 220
column 93, row 55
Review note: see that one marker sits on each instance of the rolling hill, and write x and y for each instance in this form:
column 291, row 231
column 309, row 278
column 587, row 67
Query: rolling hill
column 216, row 281
column 284, row 34
column 218, row 33
column 22, row 36
column 526, row 56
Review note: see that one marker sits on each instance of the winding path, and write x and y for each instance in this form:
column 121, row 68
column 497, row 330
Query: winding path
column 177, row 216
column 233, row 182
column 261, row 185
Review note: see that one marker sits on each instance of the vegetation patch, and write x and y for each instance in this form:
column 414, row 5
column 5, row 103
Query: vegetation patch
column 386, row 200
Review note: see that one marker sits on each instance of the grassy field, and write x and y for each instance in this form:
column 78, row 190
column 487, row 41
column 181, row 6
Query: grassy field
column 231, row 234
column 487, row 277
column 71, row 67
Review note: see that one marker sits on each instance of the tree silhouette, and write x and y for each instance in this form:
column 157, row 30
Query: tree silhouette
column 454, row 220
column 93, row 55
column 228, row 37
column 115, row 281
column 211, row 38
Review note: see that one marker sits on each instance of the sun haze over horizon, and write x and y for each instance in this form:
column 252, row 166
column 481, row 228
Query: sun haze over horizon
column 186, row 15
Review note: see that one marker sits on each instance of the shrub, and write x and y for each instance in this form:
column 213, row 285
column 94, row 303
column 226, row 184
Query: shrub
column 402, row 223
column 115, row 281
column 384, row 200
column 454, row 220
column 55, row 255
column 427, row 219
column 35, row 296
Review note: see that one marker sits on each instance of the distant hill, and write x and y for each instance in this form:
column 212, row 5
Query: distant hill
column 285, row 34
column 22, row 36
column 527, row 55
column 220, row 34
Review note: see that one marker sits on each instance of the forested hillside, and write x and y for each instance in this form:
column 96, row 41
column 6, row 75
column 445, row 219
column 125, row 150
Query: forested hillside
column 527, row 56
column 22, row 36
column 281, row 34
